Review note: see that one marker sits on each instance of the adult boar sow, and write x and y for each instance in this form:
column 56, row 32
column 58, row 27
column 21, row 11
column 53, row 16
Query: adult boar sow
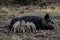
column 37, row 20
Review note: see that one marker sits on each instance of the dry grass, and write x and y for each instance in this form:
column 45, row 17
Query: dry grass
column 7, row 13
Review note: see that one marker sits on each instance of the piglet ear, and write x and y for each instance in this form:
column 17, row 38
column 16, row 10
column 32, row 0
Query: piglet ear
column 46, row 17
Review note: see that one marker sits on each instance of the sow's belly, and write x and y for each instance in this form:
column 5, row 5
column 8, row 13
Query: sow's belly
column 35, row 19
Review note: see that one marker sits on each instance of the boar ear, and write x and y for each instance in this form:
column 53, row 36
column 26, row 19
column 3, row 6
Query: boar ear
column 46, row 17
